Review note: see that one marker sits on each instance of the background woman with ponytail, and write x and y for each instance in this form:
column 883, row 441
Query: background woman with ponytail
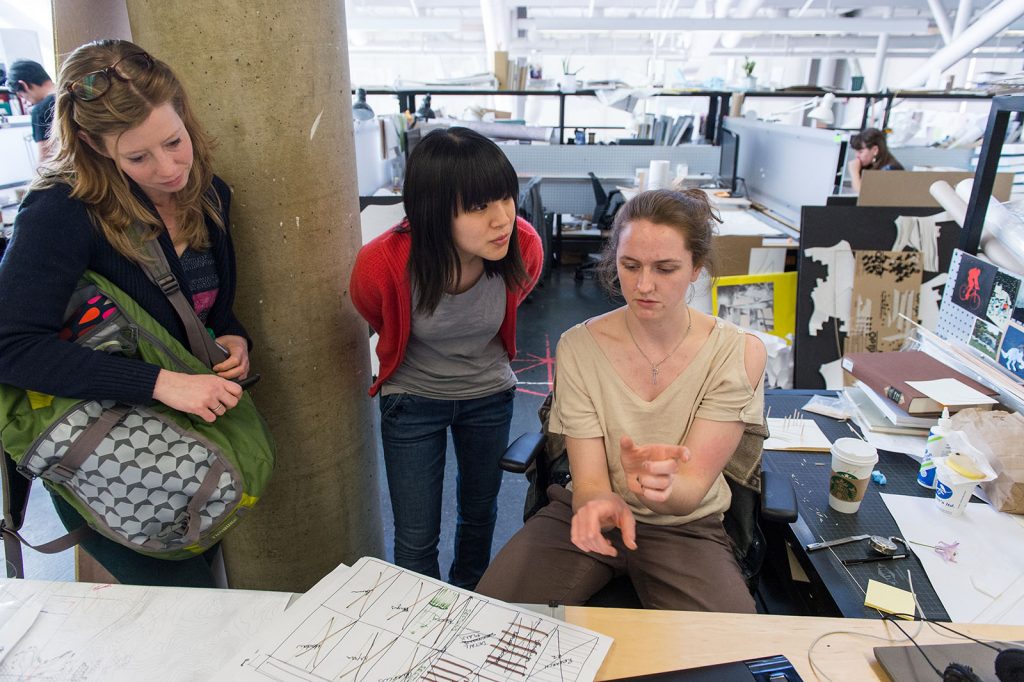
column 870, row 153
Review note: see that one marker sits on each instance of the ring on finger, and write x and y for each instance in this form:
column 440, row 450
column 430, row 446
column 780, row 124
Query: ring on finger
column 219, row 409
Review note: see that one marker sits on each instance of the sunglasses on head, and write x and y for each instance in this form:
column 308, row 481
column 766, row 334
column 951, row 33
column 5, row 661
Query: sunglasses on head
column 95, row 84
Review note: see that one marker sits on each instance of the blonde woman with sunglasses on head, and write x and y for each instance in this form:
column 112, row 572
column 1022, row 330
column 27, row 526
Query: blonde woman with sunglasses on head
column 131, row 163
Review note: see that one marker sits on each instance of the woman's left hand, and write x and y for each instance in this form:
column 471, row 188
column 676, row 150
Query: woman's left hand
column 237, row 364
column 651, row 469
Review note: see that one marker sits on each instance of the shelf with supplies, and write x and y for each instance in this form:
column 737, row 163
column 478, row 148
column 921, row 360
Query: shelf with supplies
column 718, row 102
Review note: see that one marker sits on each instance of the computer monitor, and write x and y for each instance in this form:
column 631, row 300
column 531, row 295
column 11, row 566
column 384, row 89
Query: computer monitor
column 730, row 143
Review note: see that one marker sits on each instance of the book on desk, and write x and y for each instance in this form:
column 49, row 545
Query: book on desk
column 894, row 375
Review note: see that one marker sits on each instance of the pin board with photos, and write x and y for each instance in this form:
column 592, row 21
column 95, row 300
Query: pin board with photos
column 859, row 268
column 984, row 310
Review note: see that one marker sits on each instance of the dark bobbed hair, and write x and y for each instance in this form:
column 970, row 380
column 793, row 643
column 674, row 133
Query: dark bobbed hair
column 449, row 171
column 28, row 71
column 873, row 137
column 95, row 178
column 687, row 210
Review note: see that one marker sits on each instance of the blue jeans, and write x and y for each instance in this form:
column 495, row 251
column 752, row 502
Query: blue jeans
column 414, row 435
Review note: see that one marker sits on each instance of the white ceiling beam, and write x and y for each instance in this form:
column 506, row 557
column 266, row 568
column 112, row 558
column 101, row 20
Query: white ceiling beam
column 941, row 20
column 754, row 24
column 988, row 25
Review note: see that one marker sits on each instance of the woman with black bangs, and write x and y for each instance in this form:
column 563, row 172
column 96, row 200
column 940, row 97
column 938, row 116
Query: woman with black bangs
column 441, row 290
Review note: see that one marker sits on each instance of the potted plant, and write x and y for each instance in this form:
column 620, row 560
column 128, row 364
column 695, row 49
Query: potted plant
column 567, row 83
column 748, row 68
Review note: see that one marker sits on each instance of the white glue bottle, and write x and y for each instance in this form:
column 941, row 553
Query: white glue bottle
column 937, row 446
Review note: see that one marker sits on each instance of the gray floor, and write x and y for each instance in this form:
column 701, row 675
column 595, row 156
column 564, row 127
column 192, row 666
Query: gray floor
column 552, row 308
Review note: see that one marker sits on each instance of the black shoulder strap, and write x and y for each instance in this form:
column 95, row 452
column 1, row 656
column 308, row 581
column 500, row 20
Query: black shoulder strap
column 159, row 272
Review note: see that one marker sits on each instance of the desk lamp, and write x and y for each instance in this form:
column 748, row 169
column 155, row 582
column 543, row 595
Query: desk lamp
column 821, row 109
column 361, row 111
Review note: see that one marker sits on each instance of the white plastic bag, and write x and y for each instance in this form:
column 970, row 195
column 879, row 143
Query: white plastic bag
column 998, row 435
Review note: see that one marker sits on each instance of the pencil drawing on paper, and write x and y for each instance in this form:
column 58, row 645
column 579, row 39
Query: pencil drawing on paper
column 384, row 623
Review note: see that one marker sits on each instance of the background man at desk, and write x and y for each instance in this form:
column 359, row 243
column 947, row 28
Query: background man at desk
column 31, row 82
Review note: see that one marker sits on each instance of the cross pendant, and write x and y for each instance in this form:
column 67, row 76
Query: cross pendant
column 654, row 375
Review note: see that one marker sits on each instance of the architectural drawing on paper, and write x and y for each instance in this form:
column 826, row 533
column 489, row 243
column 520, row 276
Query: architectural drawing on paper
column 380, row 622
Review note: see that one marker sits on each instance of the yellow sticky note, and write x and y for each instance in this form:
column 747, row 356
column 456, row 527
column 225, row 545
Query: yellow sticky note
column 889, row 599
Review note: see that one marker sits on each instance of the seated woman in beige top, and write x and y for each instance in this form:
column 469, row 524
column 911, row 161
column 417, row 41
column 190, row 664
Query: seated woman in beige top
column 653, row 398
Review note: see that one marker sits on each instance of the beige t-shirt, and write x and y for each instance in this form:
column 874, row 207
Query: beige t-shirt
column 592, row 401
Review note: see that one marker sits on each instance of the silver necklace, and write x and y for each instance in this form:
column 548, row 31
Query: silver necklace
column 655, row 366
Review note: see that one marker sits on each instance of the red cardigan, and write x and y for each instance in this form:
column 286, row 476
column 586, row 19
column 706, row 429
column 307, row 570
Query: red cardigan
column 381, row 292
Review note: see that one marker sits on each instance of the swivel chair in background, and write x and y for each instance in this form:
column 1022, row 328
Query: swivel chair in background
column 531, row 207
column 542, row 457
column 606, row 205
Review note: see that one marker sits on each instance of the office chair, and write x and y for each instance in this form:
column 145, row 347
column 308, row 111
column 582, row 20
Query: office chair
column 531, row 207
column 542, row 458
column 606, row 205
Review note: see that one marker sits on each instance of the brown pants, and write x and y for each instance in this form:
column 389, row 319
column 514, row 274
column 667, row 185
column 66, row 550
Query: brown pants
column 688, row 568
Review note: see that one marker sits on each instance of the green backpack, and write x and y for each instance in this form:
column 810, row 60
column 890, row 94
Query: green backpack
column 162, row 482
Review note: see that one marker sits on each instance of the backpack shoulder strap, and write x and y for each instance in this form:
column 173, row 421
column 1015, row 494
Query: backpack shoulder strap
column 159, row 272
column 16, row 489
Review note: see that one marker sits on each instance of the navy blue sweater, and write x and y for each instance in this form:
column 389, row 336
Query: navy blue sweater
column 54, row 242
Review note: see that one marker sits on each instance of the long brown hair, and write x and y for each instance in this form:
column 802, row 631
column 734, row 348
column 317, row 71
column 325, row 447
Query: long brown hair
column 687, row 210
column 873, row 137
column 96, row 179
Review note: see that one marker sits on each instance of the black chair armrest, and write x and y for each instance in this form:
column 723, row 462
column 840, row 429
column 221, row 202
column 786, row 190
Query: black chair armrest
column 519, row 455
column 778, row 500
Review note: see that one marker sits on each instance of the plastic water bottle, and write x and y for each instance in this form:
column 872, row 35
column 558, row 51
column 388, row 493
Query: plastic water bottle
column 937, row 446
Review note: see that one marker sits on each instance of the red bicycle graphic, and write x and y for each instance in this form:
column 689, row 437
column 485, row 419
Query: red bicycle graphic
column 968, row 291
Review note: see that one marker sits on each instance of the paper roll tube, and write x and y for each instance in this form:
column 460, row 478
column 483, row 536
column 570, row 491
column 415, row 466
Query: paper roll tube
column 658, row 175
column 1003, row 237
column 949, row 200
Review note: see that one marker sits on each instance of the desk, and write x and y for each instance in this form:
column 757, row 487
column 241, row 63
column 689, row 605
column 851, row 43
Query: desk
column 836, row 589
column 656, row 641
column 158, row 633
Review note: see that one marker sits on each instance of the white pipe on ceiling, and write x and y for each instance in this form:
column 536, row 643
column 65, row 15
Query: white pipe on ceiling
column 987, row 26
column 941, row 20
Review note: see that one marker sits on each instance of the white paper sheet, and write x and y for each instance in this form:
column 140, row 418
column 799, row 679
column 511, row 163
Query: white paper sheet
column 986, row 582
column 378, row 621
column 108, row 633
column 796, row 434
column 951, row 392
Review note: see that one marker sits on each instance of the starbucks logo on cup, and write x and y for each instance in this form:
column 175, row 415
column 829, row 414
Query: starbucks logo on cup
column 843, row 486
column 942, row 491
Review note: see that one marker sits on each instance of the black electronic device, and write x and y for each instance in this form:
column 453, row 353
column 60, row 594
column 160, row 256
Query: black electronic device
column 961, row 661
column 767, row 669
column 730, row 144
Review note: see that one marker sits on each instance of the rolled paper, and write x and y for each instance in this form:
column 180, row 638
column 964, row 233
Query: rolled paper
column 949, row 200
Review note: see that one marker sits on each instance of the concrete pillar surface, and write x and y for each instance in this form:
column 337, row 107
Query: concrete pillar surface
column 76, row 23
column 270, row 81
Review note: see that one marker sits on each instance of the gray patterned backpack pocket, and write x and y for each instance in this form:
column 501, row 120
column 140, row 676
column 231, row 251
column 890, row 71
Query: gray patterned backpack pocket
column 146, row 482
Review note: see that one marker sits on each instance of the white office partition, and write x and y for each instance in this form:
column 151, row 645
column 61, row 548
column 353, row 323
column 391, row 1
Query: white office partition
column 566, row 187
column 786, row 167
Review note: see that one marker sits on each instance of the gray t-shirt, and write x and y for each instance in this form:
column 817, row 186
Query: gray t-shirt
column 456, row 353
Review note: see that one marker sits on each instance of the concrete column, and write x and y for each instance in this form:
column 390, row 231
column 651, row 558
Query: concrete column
column 270, row 80
column 76, row 23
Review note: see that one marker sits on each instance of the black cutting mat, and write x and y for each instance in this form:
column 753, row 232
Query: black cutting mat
column 809, row 474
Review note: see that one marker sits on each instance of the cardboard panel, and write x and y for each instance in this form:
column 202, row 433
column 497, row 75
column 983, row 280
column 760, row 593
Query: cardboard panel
column 910, row 188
